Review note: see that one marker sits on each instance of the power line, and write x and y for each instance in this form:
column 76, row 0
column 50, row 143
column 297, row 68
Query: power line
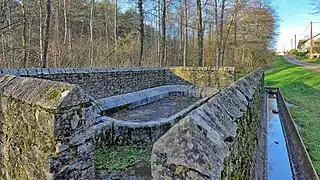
column 304, row 31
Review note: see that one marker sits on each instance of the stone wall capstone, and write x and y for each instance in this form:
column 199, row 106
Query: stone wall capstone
column 219, row 140
column 104, row 82
column 41, row 126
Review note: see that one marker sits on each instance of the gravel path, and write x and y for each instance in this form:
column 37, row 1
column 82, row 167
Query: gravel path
column 311, row 66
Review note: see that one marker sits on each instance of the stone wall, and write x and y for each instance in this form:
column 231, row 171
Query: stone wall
column 48, row 125
column 219, row 140
column 104, row 82
column 206, row 76
column 125, row 132
column 44, row 130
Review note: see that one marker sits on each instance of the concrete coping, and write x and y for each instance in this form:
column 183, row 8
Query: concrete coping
column 143, row 97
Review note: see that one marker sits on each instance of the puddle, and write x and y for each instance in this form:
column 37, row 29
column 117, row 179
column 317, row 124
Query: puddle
column 278, row 159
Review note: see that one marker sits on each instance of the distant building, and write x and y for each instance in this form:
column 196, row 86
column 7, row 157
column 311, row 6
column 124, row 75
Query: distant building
column 304, row 45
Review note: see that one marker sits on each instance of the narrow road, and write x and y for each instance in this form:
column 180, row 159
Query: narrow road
column 311, row 66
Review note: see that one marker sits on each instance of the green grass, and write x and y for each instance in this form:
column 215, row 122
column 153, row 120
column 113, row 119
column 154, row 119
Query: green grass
column 120, row 157
column 315, row 61
column 301, row 88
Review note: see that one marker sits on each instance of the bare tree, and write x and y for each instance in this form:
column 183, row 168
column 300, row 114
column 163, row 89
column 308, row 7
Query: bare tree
column 91, row 34
column 65, row 21
column 46, row 34
column 24, row 33
column 316, row 5
column 40, row 30
column 185, row 45
column 115, row 31
column 200, row 33
column 166, row 33
column 140, row 7
column 164, row 10
column 106, row 26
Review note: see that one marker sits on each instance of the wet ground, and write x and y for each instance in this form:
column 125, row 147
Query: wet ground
column 278, row 159
column 163, row 108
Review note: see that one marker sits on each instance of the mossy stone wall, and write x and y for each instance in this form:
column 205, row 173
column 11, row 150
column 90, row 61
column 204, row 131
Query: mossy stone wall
column 43, row 130
column 104, row 82
column 206, row 76
column 219, row 140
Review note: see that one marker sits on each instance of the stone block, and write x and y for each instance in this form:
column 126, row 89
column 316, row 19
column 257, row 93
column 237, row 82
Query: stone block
column 188, row 146
column 111, row 102
column 135, row 99
column 154, row 94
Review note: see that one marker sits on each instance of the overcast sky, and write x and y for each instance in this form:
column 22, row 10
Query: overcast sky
column 295, row 16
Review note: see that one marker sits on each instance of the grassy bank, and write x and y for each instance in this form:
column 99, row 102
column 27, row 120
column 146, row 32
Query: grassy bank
column 315, row 61
column 302, row 90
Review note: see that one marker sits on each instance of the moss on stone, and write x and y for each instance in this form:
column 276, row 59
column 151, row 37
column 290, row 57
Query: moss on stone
column 28, row 140
column 121, row 157
column 56, row 94
column 180, row 170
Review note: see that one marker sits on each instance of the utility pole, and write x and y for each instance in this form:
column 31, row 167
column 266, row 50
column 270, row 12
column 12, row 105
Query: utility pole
column 291, row 44
column 311, row 41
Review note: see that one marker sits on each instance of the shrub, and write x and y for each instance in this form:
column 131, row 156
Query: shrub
column 307, row 55
column 301, row 54
column 293, row 51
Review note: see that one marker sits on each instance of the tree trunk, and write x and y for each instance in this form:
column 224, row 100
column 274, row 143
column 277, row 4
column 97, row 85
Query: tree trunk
column 185, row 48
column 46, row 35
column 107, row 29
column 91, row 35
column 181, row 34
column 159, row 32
column 24, row 35
column 140, row 7
column 65, row 21
column 4, row 56
column 217, row 49
column 164, row 9
column 69, row 29
column 221, row 33
column 40, row 30
column 235, row 33
column 115, row 32
column 11, row 61
column 200, row 34
column 57, row 37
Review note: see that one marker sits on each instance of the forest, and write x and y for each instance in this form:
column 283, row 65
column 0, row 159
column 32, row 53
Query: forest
column 128, row 33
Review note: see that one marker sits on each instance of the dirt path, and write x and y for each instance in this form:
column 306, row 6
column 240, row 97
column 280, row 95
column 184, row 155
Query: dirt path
column 311, row 66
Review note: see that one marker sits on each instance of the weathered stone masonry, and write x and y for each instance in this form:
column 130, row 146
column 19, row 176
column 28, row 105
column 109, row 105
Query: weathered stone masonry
column 48, row 128
column 218, row 140
column 206, row 76
column 104, row 82
column 41, row 124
